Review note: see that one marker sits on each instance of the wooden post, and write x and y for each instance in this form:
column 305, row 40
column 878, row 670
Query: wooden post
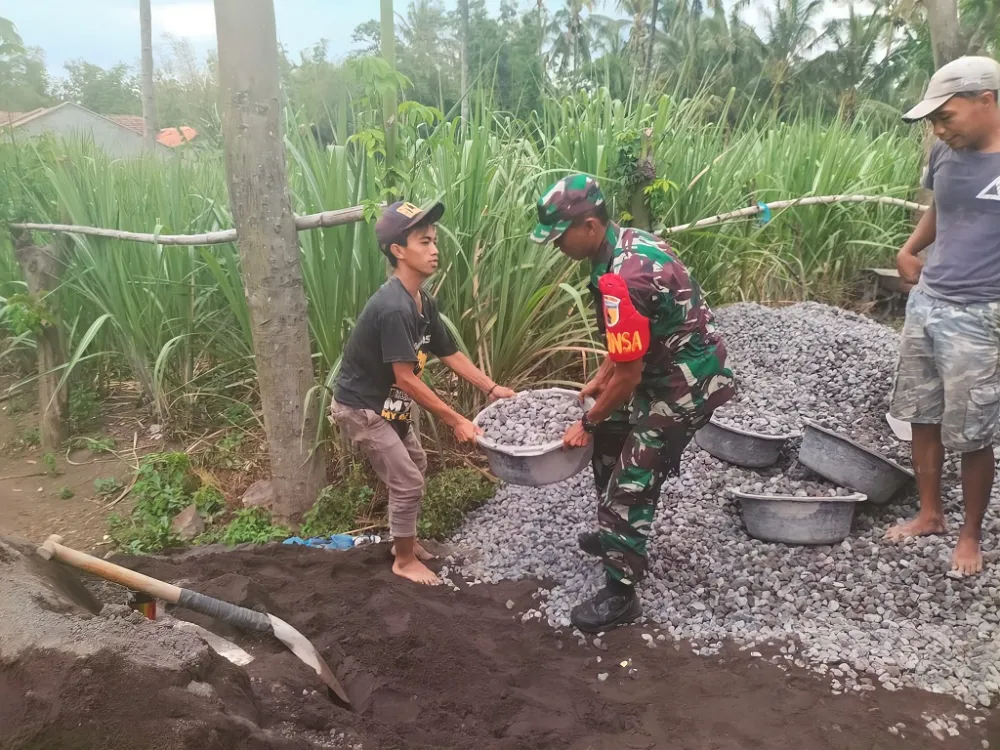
column 253, row 138
column 41, row 267
column 149, row 125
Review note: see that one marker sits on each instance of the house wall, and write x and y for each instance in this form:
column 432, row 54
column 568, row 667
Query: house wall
column 67, row 122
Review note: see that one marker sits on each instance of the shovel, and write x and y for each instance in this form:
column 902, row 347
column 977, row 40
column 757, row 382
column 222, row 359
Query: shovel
column 240, row 617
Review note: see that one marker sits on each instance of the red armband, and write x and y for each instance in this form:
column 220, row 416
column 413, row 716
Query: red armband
column 627, row 328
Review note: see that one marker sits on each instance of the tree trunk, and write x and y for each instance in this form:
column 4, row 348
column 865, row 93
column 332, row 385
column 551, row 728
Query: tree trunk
column 41, row 267
column 541, row 32
column 649, row 48
column 463, row 10
column 253, row 131
column 150, row 128
column 645, row 170
column 946, row 41
column 342, row 104
column 389, row 106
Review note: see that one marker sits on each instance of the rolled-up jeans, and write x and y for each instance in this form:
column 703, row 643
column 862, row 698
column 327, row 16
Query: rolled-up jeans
column 400, row 462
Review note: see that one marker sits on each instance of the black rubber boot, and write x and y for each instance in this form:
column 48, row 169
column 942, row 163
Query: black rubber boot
column 590, row 542
column 615, row 604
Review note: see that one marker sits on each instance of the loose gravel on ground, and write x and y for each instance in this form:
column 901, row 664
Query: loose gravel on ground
column 862, row 612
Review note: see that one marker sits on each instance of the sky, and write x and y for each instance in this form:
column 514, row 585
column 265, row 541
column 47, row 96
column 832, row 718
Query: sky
column 106, row 32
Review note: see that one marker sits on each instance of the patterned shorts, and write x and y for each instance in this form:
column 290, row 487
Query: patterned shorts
column 948, row 370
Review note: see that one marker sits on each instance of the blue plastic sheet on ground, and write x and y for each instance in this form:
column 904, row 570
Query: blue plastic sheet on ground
column 337, row 541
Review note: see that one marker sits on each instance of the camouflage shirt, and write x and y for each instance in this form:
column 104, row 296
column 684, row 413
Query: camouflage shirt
column 684, row 372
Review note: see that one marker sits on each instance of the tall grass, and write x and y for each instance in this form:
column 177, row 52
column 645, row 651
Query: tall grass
column 175, row 319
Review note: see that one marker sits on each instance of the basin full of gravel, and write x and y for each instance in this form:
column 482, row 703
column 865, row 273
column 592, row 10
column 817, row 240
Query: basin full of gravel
column 745, row 417
column 532, row 418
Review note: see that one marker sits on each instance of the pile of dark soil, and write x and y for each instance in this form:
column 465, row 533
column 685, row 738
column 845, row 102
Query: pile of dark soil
column 433, row 668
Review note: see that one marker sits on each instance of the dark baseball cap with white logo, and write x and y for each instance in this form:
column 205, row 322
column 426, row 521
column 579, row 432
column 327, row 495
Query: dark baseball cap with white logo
column 962, row 76
column 399, row 218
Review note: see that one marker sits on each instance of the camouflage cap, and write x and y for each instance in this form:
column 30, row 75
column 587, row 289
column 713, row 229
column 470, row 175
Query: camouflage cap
column 563, row 202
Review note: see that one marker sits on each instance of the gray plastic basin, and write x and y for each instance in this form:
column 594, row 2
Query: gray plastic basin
column 843, row 461
column 740, row 447
column 535, row 465
column 798, row 520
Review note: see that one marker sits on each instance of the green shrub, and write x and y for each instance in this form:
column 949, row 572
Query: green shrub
column 84, row 408
column 94, row 445
column 65, row 493
column 337, row 508
column 163, row 488
column 238, row 414
column 51, row 464
column 253, row 526
column 209, row 500
column 30, row 437
column 226, row 453
column 449, row 496
column 107, row 485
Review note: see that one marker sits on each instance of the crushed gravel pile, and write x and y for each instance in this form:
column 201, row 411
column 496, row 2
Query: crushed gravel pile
column 531, row 418
column 808, row 361
column 863, row 612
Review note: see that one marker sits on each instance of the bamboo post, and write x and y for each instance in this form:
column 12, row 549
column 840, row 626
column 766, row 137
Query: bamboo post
column 41, row 268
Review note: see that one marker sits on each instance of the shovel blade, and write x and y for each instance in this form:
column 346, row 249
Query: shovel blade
column 303, row 648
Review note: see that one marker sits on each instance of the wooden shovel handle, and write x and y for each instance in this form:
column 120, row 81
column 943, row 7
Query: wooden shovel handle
column 53, row 549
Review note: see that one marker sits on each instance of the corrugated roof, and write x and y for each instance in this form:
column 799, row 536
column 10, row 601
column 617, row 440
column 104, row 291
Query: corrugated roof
column 132, row 122
column 9, row 118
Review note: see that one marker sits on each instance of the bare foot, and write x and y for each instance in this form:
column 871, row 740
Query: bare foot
column 919, row 526
column 418, row 552
column 967, row 559
column 416, row 571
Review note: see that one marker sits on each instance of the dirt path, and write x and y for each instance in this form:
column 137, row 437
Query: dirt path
column 440, row 669
column 36, row 502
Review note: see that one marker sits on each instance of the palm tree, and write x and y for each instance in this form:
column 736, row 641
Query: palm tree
column 638, row 12
column 572, row 38
column 613, row 68
column 851, row 68
column 790, row 34
column 10, row 40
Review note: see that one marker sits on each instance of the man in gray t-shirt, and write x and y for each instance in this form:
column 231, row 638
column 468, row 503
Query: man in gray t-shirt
column 948, row 382
column 380, row 376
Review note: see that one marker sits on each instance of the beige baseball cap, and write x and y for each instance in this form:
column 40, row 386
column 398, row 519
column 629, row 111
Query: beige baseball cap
column 966, row 74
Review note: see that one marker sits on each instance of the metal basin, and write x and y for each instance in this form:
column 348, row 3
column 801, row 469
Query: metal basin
column 798, row 520
column 843, row 461
column 740, row 447
column 535, row 465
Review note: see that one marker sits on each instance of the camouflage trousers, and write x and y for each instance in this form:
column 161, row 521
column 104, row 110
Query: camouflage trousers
column 949, row 361
column 631, row 463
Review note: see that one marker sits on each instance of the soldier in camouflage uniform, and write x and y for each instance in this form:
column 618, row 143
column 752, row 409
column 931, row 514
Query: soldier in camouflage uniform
column 664, row 375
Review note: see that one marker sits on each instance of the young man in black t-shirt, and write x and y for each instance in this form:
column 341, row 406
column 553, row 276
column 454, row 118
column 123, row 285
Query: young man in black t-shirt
column 380, row 372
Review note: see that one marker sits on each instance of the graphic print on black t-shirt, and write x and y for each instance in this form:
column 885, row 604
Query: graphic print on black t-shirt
column 391, row 329
column 397, row 404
